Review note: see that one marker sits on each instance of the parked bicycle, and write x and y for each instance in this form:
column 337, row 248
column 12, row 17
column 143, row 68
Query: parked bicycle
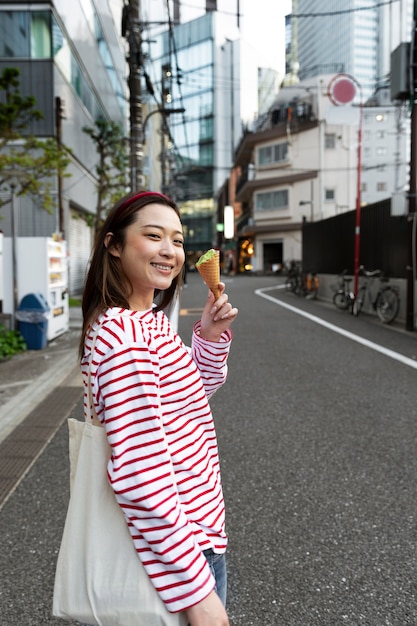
column 386, row 301
column 343, row 297
column 310, row 285
column 302, row 283
column 293, row 278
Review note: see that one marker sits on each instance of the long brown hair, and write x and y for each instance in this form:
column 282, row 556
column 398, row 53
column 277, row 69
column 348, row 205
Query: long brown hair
column 106, row 284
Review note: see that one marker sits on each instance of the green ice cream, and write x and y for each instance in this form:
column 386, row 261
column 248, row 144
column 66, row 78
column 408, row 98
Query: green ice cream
column 207, row 256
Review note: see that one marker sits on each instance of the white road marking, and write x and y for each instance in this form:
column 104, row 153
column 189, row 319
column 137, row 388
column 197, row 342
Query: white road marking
column 336, row 329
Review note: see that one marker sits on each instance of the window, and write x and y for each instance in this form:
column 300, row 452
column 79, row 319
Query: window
column 381, row 186
column 107, row 59
column 271, row 200
column 14, row 34
column 277, row 153
column 381, row 151
column 330, row 141
column 206, row 154
column 72, row 71
column 206, row 128
column 329, row 195
column 40, row 36
column 25, row 34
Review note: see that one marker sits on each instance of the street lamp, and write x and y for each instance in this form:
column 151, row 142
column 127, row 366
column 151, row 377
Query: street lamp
column 164, row 112
column 310, row 202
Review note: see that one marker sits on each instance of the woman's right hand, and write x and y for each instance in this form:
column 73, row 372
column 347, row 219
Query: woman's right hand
column 208, row 612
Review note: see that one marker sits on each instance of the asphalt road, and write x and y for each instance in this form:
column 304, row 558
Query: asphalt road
column 317, row 436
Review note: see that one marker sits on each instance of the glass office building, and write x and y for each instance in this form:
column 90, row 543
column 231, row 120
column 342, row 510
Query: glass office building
column 71, row 60
column 197, row 69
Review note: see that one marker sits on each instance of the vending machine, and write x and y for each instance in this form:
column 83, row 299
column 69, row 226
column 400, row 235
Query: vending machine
column 43, row 268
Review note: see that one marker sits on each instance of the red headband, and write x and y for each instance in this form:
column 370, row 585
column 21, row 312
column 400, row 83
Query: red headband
column 137, row 196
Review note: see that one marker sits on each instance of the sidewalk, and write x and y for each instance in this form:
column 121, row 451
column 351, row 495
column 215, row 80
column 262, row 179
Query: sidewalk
column 38, row 390
column 27, row 378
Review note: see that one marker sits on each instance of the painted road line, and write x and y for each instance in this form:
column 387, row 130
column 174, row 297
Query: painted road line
column 336, row 329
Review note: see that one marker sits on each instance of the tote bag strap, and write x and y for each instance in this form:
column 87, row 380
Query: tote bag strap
column 91, row 411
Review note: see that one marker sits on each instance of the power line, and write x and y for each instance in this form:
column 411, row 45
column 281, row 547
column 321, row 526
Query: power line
column 221, row 11
column 179, row 73
column 342, row 11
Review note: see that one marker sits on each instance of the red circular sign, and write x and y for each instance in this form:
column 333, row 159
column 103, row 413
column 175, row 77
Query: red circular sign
column 342, row 89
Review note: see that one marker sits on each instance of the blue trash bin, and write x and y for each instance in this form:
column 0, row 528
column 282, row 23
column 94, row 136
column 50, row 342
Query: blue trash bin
column 32, row 317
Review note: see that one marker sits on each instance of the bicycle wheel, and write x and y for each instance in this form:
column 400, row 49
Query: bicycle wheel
column 340, row 300
column 358, row 302
column 387, row 305
column 290, row 283
column 299, row 288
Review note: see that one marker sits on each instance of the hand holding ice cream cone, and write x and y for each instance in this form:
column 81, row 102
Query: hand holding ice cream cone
column 218, row 314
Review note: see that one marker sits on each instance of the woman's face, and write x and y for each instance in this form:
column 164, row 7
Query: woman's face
column 153, row 254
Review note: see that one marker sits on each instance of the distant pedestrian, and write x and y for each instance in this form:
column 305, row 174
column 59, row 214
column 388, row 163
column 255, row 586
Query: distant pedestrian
column 151, row 395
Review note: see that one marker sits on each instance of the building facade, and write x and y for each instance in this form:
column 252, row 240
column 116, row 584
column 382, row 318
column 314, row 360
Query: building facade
column 386, row 151
column 71, row 59
column 311, row 146
column 301, row 162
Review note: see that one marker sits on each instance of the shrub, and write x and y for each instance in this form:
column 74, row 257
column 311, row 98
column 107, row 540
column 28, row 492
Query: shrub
column 11, row 342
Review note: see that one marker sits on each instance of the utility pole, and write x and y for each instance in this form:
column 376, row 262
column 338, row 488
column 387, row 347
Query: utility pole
column 131, row 31
column 410, row 321
column 166, row 84
column 58, row 121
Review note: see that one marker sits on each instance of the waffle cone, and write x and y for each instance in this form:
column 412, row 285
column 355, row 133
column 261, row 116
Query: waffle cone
column 210, row 273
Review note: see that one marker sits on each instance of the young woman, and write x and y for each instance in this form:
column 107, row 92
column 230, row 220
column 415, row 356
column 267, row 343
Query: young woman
column 151, row 394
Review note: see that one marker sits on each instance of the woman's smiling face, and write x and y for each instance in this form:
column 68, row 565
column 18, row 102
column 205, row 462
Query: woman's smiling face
column 153, row 254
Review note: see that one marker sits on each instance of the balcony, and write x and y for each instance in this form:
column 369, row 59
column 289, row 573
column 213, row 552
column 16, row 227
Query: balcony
column 247, row 190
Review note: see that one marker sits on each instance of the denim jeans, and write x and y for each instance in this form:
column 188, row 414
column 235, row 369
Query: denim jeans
column 217, row 564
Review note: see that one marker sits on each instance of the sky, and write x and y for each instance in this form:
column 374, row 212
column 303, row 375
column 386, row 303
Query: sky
column 263, row 27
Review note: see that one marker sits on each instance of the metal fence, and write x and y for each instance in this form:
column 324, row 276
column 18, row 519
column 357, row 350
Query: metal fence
column 328, row 245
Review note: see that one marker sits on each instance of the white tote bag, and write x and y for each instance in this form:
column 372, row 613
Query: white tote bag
column 99, row 577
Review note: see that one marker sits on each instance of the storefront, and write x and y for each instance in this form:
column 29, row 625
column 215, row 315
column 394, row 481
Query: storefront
column 268, row 248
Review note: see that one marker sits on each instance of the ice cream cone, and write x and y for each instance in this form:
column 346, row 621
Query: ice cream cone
column 209, row 269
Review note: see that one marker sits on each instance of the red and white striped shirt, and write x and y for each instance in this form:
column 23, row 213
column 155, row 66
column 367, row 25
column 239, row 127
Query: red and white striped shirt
column 151, row 394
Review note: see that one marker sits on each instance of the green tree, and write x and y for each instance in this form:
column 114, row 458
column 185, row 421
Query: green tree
column 112, row 167
column 29, row 162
